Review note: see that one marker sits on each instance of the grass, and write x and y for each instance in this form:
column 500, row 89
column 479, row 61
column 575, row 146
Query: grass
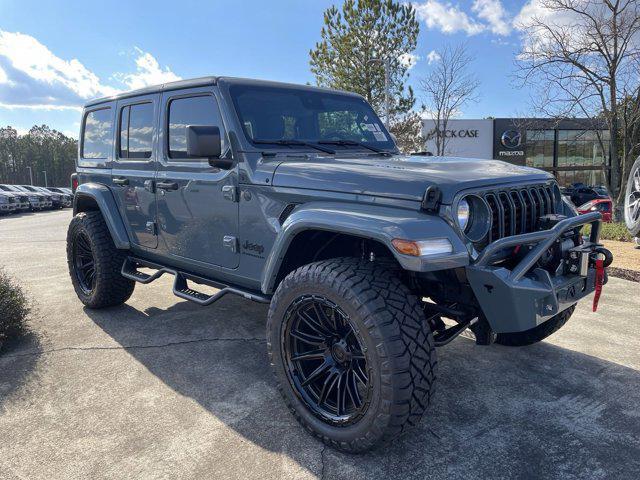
column 14, row 309
column 612, row 231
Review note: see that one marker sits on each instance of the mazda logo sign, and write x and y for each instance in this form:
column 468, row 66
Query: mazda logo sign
column 511, row 139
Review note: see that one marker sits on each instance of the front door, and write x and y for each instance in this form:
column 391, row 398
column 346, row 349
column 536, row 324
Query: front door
column 134, row 167
column 197, row 204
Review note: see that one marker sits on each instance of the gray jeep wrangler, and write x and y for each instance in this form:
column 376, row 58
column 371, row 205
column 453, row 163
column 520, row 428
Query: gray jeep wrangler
column 298, row 197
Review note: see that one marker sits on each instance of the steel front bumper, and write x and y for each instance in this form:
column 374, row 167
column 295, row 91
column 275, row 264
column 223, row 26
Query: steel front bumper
column 521, row 298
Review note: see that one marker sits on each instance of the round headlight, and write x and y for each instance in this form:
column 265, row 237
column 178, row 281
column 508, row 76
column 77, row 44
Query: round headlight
column 464, row 213
column 474, row 217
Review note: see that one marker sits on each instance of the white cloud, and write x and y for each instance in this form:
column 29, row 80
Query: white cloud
column 409, row 60
column 433, row 56
column 484, row 15
column 447, row 17
column 3, row 76
column 492, row 12
column 33, row 77
column 567, row 21
column 148, row 72
column 30, row 57
column 29, row 106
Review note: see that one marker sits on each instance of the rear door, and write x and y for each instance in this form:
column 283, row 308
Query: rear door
column 134, row 167
column 197, row 203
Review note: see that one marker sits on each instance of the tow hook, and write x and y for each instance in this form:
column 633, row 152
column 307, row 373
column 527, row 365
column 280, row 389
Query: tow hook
column 608, row 256
column 601, row 264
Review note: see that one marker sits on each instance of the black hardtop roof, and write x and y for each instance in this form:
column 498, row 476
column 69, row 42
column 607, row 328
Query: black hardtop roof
column 204, row 81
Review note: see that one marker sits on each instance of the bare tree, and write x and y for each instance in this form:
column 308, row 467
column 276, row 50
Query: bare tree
column 582, row 56
column 447, row 89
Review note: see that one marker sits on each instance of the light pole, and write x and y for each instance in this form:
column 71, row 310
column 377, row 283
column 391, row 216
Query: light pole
column 30, row 176
column 45, row 178
column 387, row 96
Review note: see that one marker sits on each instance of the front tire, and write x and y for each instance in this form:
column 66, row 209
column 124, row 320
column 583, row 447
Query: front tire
column 536, row 334
column 352, row 353
column 95, row 263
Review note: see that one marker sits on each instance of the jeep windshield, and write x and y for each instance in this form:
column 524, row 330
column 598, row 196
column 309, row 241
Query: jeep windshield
column 277, row 117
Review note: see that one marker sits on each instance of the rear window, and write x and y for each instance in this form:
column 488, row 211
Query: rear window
column 96, row 135
column 136, row 131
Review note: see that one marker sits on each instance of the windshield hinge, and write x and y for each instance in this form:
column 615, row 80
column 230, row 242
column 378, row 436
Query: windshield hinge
column 230, row 192
column 431, row 199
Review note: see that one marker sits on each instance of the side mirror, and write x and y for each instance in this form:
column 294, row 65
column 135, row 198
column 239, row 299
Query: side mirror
column 203, row 141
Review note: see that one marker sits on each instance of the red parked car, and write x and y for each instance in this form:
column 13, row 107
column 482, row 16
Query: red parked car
column 602, row 205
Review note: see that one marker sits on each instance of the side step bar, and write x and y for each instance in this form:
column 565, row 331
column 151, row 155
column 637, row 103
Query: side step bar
column 181, row 286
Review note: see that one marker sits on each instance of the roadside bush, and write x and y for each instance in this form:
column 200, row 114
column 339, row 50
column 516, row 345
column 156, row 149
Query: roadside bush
column 14, row 309
column 612, row 231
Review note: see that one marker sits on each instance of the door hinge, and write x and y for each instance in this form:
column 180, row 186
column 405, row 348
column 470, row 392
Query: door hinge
column 230, row 242
column 230, row 192
column 151, row 228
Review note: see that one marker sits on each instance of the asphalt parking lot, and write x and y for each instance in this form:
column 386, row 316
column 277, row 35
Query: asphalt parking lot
column 162, row 388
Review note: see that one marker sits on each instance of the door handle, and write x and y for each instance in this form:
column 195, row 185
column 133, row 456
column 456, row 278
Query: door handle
column 167, row 185
column 121, row 181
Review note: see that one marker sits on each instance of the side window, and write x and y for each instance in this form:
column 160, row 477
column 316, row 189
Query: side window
column 201, row 110
column 136, row 131
column 96, row 134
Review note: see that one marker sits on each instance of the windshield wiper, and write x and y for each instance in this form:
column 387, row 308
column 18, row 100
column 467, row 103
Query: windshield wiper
column 353, row 143
column 293, row 143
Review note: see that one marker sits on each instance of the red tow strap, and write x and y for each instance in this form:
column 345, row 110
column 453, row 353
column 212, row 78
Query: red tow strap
column 599, row 283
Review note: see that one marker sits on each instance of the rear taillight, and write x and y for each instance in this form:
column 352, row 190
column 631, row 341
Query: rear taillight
column 74, row 182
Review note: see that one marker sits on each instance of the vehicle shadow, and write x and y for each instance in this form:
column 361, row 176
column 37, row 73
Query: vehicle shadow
column 535, row 412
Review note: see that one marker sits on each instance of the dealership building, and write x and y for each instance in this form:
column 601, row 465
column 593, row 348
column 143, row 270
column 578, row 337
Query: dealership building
column 575, row 150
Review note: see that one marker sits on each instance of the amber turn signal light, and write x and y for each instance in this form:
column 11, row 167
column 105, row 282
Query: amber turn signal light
column 422, row 248
column 406, row 247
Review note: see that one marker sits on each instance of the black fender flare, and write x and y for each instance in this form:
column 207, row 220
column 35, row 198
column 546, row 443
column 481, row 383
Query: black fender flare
column 380, row 223
column 91, row 195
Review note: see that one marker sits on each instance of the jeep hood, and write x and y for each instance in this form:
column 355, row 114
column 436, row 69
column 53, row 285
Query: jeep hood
column 401, row 177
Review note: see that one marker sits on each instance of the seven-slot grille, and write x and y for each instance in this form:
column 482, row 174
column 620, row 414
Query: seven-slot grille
column 516, row 210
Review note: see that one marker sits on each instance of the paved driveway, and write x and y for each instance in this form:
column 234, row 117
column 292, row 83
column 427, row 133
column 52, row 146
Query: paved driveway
column 161, row 388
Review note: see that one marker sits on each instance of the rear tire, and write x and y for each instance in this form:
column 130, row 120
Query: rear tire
column 95, row 263
column 388, row 346
column 536, row 334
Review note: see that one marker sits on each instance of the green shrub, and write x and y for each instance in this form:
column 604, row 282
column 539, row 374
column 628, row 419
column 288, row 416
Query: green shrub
column 14, row 309
column 612, row 231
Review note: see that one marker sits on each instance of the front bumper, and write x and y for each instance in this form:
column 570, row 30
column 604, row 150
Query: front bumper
column 38, row 204
column 7, row 207
column 524, row 297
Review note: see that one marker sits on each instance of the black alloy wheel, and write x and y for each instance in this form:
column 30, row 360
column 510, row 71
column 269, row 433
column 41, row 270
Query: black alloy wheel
column 325, row 361
column 84, row 262
column 95, row 263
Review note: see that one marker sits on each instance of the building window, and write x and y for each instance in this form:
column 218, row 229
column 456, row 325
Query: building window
column 136, row 131
column 202, row 110
column 96, row 135
column 587, row 150
column 540, row 148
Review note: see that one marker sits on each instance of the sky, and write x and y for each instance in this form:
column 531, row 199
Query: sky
column 54, row 56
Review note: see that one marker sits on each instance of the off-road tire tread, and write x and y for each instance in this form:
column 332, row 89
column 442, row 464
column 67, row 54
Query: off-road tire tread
column 536, row 334
column 111, row 287
column 405, row 344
